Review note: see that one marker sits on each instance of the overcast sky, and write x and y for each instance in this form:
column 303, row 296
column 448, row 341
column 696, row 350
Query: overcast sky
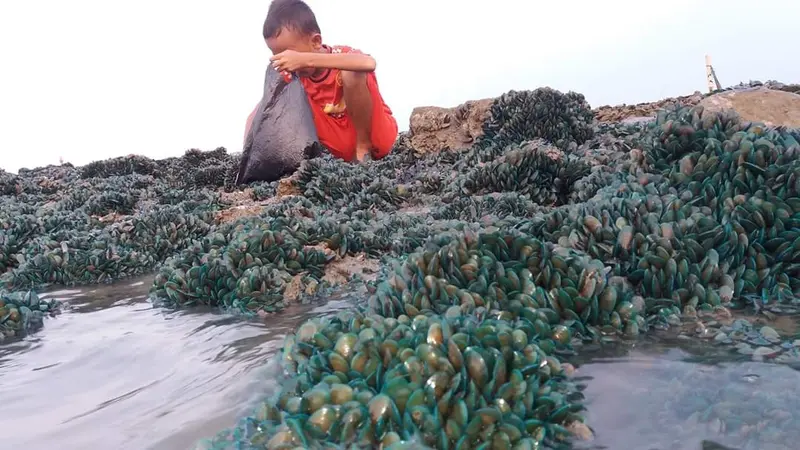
column 91, row 79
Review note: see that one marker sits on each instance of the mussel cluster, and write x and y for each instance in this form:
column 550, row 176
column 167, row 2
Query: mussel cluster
column 537, row 171
column 566, row 120
column 551, row 230
column 21, row 312
column 445, row 381
column 696, row 211
column 104, row 221
column 246, row 269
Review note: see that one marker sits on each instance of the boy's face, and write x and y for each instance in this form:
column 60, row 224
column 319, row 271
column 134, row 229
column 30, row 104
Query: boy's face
column 289, row 39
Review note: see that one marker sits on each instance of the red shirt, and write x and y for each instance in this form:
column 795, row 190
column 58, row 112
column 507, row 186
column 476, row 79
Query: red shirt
column 334, row 128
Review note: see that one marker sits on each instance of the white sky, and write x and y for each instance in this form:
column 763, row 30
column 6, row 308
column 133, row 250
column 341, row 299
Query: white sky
column 91, row 79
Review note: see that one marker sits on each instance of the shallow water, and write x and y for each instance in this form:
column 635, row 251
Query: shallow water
column 673, row 395
column 114, row 372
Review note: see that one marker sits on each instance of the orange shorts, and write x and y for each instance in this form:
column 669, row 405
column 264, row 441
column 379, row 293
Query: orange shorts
column 339, row 135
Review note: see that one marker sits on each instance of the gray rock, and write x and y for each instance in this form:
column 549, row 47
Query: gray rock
column 764, row 352
column 770, row 334
column 744, row 349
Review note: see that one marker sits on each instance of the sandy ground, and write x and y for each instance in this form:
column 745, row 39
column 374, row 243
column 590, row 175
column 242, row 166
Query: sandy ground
column 242, row 205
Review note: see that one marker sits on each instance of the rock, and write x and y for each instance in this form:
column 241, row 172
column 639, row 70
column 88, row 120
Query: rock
column 294, row 289
column 581, row 431
column 642, row 112
column 777, row 85
column 764, row 352
column 722, row 338
column 772, row 107
column 638, row 304
column 770, row 334
column 716, row 425
column 637, row 120
column 744, row 349
column 286, row 186
column 725, row 293
column 674, row 320
column 711, row 445
column 433, row 128
column 312, row 287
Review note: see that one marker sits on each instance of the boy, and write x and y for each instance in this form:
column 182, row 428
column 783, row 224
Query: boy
column 351, row 117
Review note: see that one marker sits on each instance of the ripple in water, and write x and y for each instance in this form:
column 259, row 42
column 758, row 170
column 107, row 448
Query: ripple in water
column 114, row 372
column 659, row 397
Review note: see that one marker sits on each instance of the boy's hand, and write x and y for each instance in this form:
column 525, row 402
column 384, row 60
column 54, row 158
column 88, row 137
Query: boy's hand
column 290, row 61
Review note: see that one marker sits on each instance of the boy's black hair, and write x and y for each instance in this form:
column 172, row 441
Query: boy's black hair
column 293, row 14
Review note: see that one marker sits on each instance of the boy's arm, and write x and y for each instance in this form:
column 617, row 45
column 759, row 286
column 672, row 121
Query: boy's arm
column 350, row 61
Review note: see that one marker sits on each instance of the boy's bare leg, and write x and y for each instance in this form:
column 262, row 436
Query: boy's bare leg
column 359, row 108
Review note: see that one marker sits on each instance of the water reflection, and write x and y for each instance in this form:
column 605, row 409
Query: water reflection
column 657, row 396
column 113, row 372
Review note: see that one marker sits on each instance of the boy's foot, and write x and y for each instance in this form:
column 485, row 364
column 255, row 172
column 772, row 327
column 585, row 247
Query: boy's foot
column 362, row 152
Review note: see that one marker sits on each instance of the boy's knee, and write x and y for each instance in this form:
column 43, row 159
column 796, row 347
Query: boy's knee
column 354, row 79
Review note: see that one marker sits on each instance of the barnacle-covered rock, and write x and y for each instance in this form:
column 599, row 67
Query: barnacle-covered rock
column 22, row 312
column 439, row 382
column 499, row 257
column 537, row 170
column 513, row 276
column 104, row 221
column 516, row 116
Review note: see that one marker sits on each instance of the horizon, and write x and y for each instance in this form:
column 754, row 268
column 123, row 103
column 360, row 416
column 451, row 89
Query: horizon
column 158, row 79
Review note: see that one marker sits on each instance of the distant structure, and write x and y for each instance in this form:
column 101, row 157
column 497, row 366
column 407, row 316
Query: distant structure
column 61, row 160
column 711, row 76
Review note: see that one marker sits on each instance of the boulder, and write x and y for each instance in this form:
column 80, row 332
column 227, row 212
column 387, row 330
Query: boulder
column 770, row 106
column 433, row 128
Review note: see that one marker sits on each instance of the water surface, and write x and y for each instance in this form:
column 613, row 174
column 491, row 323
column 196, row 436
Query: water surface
column 672, row 395
column 114, row 372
